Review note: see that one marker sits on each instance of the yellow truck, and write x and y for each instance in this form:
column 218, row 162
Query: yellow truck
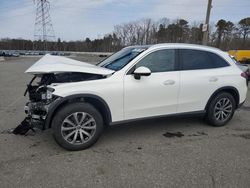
column 242, row 56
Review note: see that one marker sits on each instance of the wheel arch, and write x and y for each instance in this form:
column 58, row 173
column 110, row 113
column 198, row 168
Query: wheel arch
column 95, row 100
column 230, row 89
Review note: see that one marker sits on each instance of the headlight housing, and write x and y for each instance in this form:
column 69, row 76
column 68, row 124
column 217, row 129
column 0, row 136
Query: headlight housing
column 48, row 94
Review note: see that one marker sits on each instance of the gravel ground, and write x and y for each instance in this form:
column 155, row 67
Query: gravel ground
column 138, row 154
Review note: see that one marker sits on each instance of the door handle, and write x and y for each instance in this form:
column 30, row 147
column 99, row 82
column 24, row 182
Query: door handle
column 213, row 79
column 169, row 82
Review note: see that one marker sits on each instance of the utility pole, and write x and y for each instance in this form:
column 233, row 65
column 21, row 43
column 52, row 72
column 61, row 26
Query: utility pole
column 205, row 27
column 43, row 25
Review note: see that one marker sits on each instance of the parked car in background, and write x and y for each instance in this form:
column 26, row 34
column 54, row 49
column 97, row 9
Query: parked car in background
column 8, row 53
column 77, row 100
column 15, row 54
column 28, row 53
column 22, row 52
column 42, row 52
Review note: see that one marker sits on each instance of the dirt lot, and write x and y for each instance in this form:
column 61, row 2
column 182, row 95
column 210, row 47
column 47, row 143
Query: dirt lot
column 133, row 155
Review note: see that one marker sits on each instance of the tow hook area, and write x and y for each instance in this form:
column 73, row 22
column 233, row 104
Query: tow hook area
column 36, row 114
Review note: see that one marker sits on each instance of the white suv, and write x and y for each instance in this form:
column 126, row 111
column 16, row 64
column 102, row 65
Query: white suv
column 78, row 99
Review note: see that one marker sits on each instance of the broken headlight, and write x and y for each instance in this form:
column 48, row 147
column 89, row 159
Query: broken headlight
column 48, row 94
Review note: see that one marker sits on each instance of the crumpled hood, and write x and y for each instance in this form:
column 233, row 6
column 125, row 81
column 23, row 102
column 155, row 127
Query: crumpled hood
column 58, row 64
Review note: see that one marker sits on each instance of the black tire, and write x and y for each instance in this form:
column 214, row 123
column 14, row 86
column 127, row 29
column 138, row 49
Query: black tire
column 212, row 110
column 67, row 112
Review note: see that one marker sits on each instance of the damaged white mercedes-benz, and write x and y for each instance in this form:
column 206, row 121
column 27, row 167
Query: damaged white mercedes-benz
column 78, row 100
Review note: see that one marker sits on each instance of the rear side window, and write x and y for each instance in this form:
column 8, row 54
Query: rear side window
column 218, row 61
column 159, row 61
column 197, row 59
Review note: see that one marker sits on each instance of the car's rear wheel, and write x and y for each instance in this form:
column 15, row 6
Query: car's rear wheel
column 221, row 109
column 77, row 126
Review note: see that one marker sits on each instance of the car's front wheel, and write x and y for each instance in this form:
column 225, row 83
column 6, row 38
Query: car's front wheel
column 221, row 109
column 77, row 126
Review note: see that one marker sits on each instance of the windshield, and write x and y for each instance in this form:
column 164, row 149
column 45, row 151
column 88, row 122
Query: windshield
column 118, row 60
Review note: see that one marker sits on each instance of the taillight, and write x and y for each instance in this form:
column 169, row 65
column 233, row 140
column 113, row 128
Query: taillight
column 244, row 75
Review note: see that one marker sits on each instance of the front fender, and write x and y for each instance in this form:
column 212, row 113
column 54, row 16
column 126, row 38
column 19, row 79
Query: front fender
column 63, row 100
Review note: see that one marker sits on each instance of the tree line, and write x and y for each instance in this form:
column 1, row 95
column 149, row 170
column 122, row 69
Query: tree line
column 224, row 34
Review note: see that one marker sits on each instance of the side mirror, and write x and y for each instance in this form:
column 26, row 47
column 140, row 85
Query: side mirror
column 141, row 71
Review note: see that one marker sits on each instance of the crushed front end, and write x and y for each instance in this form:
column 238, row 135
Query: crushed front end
column 50, row 71
column 40, row 99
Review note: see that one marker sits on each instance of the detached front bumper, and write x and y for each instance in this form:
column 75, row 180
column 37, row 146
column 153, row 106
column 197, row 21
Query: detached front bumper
column 38, row 112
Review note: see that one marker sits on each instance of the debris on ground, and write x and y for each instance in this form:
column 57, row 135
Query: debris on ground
column 199, row 133
column 179, row 134
column 23, row 127
column 176, row 134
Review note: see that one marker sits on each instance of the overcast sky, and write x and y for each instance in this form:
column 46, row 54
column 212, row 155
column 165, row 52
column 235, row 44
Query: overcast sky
column 78, row 19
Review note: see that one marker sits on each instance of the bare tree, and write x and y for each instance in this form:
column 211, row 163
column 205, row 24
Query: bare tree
column 244, row 28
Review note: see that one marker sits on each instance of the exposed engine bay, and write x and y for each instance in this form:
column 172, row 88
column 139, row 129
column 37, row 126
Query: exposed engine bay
column 37, row 92
column 40, row 96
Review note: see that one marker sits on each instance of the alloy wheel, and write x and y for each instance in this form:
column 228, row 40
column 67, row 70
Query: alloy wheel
column 223, row 109
column 78, row 128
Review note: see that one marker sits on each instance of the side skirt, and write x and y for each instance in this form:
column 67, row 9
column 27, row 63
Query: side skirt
column 185, row 114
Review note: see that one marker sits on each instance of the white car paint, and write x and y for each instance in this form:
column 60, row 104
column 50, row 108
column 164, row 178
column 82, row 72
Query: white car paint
column 158, row 94
column 152, row 95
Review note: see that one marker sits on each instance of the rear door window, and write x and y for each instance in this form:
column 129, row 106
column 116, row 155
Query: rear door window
column 198, row 59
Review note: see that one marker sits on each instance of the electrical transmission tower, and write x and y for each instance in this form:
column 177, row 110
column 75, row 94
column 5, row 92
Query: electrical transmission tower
column 43, row 25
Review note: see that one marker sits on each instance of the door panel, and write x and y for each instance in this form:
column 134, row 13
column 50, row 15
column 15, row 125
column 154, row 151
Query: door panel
column 155, row 94
column 195, row 89
column 201, row 75
column 151, row 95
